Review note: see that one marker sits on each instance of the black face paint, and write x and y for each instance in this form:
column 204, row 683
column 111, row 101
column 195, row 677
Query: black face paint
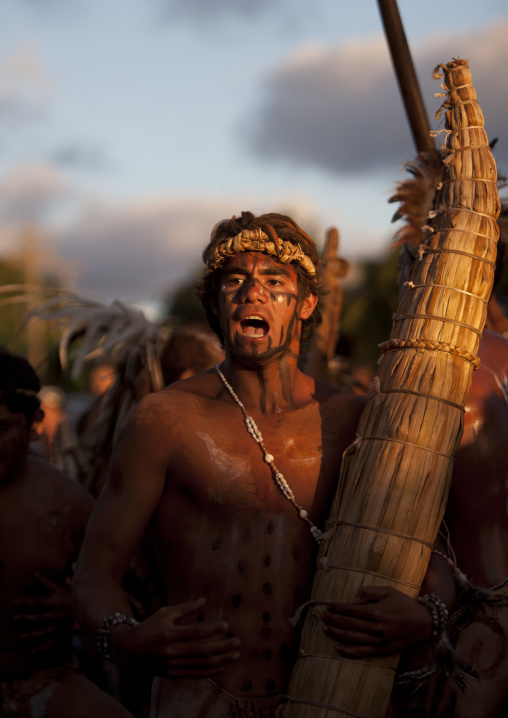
column 285, row 380
column 262, row 394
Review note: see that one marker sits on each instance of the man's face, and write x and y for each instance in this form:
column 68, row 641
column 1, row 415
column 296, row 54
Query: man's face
column 14, row 441
column 259, row 307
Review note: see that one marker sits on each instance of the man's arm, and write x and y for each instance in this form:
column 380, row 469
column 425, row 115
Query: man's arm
column 383, row 621
column 121, row 515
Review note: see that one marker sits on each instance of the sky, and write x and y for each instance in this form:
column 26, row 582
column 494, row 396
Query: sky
column 129, row 127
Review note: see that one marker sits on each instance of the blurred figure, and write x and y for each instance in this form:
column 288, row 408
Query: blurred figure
column 190, row 349
column 43, row 515
column 101, row 378
column 56, row 441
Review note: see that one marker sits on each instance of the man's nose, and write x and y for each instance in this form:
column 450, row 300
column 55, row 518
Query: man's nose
column 253, row 290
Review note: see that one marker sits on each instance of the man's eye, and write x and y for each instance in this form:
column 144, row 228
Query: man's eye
column 233, row 281
column 274, row 282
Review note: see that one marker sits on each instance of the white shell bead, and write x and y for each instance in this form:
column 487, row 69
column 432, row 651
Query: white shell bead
column 268, row 458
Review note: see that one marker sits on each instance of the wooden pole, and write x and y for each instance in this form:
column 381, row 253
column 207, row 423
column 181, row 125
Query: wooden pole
column 406, row 75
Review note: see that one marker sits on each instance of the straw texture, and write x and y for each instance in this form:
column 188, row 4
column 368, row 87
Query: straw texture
column 395, row 478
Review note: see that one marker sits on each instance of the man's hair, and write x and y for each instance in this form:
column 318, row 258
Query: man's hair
column 19, row 384
column 275, row 226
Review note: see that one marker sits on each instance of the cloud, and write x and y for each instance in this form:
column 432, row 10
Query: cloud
column 81, row 156
column 139, row 251
column 204, row 12
column 25, row 87
column 339, row 108
column 32, row 192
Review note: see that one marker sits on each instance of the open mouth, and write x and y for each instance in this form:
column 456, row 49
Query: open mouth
column 254, row 326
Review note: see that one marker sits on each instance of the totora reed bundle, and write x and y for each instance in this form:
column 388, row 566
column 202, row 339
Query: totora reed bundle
column 394, row 479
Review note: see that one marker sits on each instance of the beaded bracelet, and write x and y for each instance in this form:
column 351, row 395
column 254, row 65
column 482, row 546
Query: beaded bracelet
column 103, row 637
column 439, row 613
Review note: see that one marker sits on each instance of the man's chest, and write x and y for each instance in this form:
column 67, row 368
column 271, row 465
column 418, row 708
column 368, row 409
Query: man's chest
column 220, row 463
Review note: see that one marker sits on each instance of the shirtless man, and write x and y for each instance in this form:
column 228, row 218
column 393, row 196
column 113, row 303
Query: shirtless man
column 42, row 521
column 235, row 551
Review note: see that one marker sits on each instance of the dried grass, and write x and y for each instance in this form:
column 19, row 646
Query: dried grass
column 395, row 478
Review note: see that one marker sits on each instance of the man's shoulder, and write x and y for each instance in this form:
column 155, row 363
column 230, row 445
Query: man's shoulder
column 204, row 385
column 49, row 479
column 178, row 399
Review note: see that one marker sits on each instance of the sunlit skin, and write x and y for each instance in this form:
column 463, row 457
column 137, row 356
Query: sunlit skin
column 186, row 465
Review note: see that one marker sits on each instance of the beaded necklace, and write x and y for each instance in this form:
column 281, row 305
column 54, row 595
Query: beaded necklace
column 277, row 476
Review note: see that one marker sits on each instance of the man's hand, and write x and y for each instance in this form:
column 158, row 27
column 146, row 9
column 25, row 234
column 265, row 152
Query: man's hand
column 170, row 649
column 43, row 620
column 382, row 621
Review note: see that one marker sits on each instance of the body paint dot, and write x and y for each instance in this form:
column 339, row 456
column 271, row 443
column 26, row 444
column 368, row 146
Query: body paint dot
column 246, row 686
column 200, row 618
column 243, row 567
column 269, row 528
column 236, row 600
column 271, row 685
column 266, row 617
column 268, row 560
column 217, row 543
column 230, row 634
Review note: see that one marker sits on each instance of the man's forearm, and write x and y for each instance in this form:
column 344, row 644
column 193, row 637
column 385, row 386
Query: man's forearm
column 95, row 598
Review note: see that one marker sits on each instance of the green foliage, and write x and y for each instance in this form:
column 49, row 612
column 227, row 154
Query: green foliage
column 369, row 307
column 184, row 303
column 11, row 311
